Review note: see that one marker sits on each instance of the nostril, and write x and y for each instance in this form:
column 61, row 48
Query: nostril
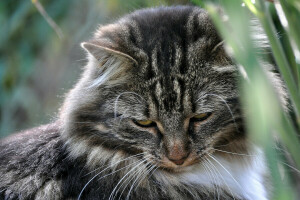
column 178, row 162
column 178, row 159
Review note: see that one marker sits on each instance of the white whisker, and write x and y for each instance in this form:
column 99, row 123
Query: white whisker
column 212, row 157
column 116, row 187
column 117, row 99
column 297, row 170
column 110, row 165
column 210, row 172
column 224, row 101
column 135, row 176
column 216, row 170
column 105, row 175
column 238, row 154
column 147, row 173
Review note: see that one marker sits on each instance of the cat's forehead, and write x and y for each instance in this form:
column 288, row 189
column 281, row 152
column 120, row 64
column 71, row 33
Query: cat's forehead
column 164, row 35
column 173, row 49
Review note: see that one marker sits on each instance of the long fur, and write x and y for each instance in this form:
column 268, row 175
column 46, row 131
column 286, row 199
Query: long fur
column 164, row 64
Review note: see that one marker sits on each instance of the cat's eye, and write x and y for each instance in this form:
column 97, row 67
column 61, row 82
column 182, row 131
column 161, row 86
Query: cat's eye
column 201, row 117
column 144, row 123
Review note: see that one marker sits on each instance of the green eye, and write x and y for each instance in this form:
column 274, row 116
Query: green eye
column 144, row 123
column 201, row 117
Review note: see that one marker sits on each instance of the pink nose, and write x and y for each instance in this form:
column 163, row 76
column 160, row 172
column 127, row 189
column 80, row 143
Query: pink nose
column 177, row 154
column 178, row 162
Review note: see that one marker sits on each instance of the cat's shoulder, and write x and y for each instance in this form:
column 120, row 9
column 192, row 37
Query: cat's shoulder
column 31, row 146
column 30, row 157
column 29, row 141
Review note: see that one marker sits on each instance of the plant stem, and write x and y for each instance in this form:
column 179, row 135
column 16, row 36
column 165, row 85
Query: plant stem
column 280, row 57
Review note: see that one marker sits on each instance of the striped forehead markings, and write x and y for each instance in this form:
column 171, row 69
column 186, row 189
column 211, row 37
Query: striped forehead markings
column 168, row 98
column 169, row 58
column 165, row 60
column 154, row 61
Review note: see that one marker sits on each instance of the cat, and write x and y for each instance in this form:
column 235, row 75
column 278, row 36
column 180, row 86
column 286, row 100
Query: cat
column 155, row 115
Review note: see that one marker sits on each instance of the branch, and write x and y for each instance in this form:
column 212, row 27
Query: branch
column 49, row 20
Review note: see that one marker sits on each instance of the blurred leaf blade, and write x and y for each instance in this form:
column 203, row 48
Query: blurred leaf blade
column 266, row 115
column 279, row 55
column 289, row 17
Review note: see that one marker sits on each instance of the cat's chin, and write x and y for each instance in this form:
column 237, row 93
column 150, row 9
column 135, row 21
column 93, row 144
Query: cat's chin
column 180, row 169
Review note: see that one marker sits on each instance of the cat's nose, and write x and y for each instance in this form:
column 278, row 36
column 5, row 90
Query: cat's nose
column 177, row 153
column 178, row 162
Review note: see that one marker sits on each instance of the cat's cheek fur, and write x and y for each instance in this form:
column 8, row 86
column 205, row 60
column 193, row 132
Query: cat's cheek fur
column 95, row 156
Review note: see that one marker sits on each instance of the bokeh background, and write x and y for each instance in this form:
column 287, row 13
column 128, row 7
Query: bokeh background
column 37, row 68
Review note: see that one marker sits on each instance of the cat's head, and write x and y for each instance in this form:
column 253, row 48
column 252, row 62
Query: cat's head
column 159, row 84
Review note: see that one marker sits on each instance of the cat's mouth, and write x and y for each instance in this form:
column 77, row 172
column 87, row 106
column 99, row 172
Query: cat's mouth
column 180, row 165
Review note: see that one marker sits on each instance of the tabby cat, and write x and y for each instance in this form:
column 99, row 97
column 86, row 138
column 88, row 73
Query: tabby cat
column 155, row 115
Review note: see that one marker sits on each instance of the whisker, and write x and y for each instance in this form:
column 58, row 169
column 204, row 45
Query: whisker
column 239, row 154
column 119, row 170
column 224, row 101
column 192, row 193
column 84, row 59
column 116, row 187
column 117, row 99
column 297, row 170
column 144, row 159
column 212, row 157
column 147, row 173
column 110, row 165
column 135, row 176
column 210, row 172
column 79, row 196
column 155, row 168
column 121, row 118
column 216, row 170
column 103, row 176
column 224, row 145
column 83, row 122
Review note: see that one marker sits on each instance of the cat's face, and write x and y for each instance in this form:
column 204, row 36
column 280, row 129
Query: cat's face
column 158, row 83
column 177, row 118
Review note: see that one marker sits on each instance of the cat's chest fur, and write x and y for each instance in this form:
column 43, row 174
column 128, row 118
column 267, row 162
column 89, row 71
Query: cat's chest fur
column 246, row 181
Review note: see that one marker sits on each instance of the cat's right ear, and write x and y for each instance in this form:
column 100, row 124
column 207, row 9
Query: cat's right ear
column 99, row 52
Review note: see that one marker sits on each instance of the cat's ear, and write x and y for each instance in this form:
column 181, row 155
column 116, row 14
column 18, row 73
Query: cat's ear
column 99, row 51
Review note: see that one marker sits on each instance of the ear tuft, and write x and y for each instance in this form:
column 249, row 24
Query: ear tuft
column 99, row 52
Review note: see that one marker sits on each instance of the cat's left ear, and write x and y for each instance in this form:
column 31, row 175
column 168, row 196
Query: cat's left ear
column 100, row 51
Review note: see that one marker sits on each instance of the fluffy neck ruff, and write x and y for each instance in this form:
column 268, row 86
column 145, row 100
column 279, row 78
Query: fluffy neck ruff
column 242, row 178
column 235, row 177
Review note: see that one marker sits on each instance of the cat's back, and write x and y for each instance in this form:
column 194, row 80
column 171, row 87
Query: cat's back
column 31, row 162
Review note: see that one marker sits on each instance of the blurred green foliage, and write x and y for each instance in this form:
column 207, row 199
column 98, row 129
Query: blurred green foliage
column 270, row 126
column 36, row 67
